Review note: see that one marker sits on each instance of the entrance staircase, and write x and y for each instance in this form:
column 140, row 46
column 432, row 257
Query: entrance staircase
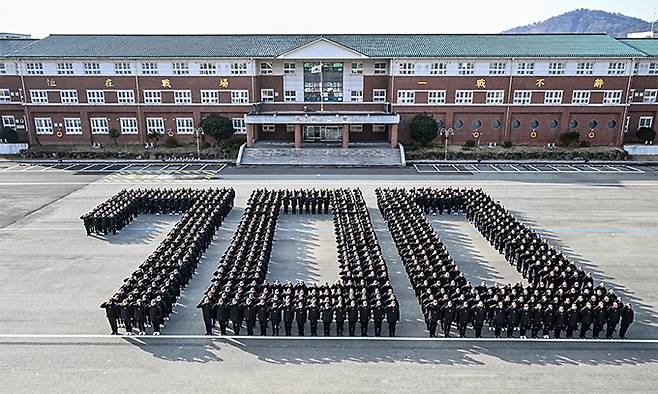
column 321, row 154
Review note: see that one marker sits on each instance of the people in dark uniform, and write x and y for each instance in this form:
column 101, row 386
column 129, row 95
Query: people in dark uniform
column 352, row 318
column 301, row 315
column 275, row 318
column 613, row 315
column 111, row 312
column 207, row 312
column 627, row 316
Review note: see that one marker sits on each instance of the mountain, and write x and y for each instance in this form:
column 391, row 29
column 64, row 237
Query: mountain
column 586, row 21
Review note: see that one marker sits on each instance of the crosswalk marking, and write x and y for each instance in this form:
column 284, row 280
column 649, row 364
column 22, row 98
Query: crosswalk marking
column 520, row 168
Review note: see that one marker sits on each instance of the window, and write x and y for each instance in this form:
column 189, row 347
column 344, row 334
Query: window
column 407, row 68
column 290, row 128
column 585, row 69
column 150, row 68
column 356, row 95
column 556, row 68
column 39, row 96
column 266, row 68
column 72, row 126
column 128, row 125
column 267, row 95
column 3, row 69
column 357, row 68
column 288, row 68
column 650, row 95
column 92, row 68
column 239, row 96
column 268, row 128
column 495, row 96
column 122, row 68
column 438, row 68
column 525, row 68
column 207, row 69
column 653, row 69
column 34, row 69
column 553, row 97
column 183, row 97
column 380, row 68
column 466, row 69
column 180, row 68
column 379, row 95
column 356, row 128
column 65, row 68
column 68, row 96
column 210, row 97
column 645, row 121
column 95, row 97
column 155, row 125
column 238, row 68
column 612, row 97
column 9, row 121
column 436, row 97
column 406, row 96
column 616, row 68
column 464, row 97
column 522, row 97
column 185, row 125
column 378, row 128
column 290, row 95
column 99, row 125
column 497, row 68
column 580, row 97
column 43, row 125
column 239, row 126
column 152, row 97
column 5, row 95
column 125, row 97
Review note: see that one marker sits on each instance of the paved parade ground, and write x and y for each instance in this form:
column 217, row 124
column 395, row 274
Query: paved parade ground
column 52, row 331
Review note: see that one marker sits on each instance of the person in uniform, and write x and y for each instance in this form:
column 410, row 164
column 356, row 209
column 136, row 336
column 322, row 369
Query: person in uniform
column 111, row 312
column 627, row 316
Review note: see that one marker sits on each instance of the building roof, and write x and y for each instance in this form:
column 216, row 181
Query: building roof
column 371, row 45
column 648, row 46
column 10, row 45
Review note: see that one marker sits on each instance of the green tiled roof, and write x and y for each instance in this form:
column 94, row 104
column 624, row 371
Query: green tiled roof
column 648, row 46
column 371, row 45
column 10, row 45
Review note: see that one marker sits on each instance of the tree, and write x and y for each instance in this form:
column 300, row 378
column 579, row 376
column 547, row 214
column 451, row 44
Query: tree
column 8, row 134
column 154, row 135
column 114, row 134
column 218, row 127
column 423, row 129
column 645, row 134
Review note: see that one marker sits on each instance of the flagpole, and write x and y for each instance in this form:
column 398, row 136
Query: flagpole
column 321, row 89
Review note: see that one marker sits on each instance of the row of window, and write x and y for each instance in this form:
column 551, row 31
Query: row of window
column 644, row 121
column 266, row 68
column 354, row 128
column 99, row 125
column 521, row 97
column 128, row 96
column 523, row 68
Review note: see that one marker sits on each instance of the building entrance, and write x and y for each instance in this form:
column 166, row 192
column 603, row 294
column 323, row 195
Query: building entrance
column 323, row 133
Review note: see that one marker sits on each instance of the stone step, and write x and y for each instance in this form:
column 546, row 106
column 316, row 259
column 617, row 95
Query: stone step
column 365, row 157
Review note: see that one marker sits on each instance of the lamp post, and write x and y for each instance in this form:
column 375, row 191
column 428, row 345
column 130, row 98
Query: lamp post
column 446, row 133
column 197, row 134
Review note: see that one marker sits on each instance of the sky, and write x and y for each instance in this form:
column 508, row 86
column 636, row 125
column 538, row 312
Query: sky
column 42, row 17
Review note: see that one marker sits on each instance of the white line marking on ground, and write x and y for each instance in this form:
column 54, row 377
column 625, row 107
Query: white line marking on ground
column 309, row 338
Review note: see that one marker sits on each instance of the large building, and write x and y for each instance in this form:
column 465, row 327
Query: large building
column 72, row 89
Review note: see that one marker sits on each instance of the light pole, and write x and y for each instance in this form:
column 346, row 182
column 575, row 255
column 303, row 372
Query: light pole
column 197, row 133
column 446, row 133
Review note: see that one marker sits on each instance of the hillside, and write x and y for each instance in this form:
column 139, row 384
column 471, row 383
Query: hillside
column 586, row 21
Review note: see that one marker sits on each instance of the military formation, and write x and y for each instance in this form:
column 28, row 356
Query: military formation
column 560, row 297
column 147, row 296
column 240, row 295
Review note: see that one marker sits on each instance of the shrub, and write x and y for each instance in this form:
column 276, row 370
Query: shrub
column 172, row 142
column 469, row 144
column 218, row 127
column 569, row 137
column 646, row 134
column 8, row 134
column 114, row 134
column 584, row 144
column 507, row 144
column 423, row 129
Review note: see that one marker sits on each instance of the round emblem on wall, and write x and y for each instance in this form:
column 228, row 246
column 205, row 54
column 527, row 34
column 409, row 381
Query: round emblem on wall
column 59, row 134
column 533, row 134
column 476, row 134
column 170, row 133
column 591, row 135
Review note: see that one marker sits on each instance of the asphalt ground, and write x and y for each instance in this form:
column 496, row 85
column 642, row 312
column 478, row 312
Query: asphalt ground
column 55, row 279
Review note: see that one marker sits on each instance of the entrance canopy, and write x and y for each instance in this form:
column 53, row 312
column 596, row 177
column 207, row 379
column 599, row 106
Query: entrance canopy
column 322, row 118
